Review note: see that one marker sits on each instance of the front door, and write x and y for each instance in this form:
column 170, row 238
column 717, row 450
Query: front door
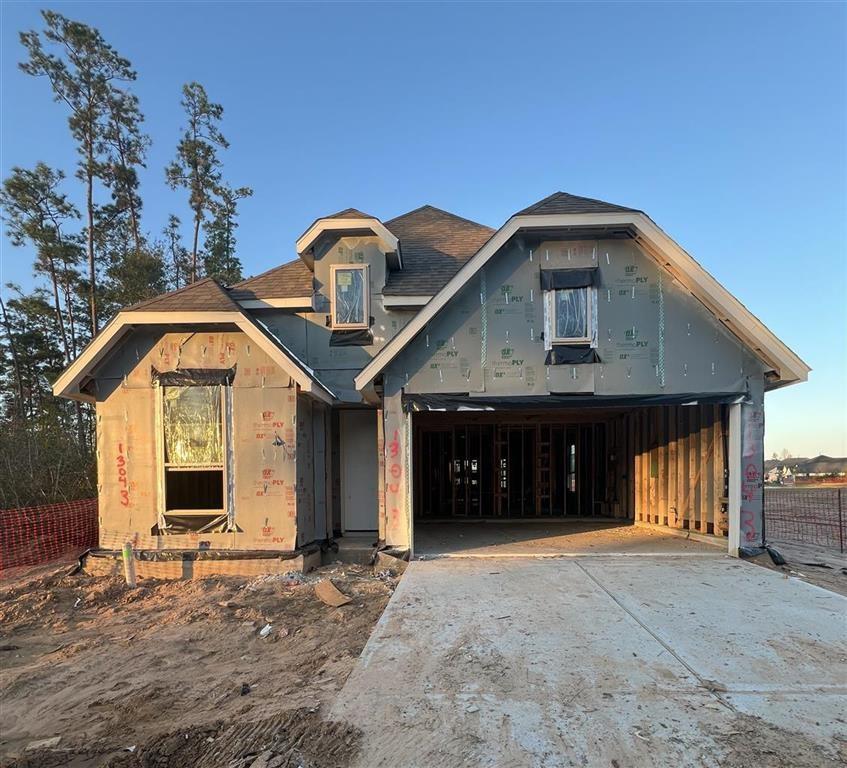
column 359, row 467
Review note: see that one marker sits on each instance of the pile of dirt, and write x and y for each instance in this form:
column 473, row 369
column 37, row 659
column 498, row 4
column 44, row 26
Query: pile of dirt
column 297, row 738
column 173, row 667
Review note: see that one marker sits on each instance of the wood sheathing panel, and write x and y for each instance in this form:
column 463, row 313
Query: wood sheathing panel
column 262, row 434
column 673, row 469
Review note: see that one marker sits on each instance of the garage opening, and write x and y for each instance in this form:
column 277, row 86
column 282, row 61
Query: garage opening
column 593, row 467
column 511, row 470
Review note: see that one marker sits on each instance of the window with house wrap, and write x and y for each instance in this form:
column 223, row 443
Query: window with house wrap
column 350, row 296
column 193, row 442
column 569, row 305
column 572, row 315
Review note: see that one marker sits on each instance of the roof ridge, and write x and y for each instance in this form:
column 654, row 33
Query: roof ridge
column 539, row 203
column 439, row 210
column 570, row 197
column 339, row 214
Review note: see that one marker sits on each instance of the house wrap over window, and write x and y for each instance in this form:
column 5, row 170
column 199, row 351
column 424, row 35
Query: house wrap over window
column 193, row 450
column 192, row 424
column 350, row 296
column 569, row 307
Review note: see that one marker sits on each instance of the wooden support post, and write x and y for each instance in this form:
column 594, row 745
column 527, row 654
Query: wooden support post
column 620, row 465
column 718, row 478
column 682, row 466
column 661, row 412
column 692, row 491
column 653, row 468
column 637, row 461
column 673, row 502
column 707, row 457
column 645, row 465
column 630, row 466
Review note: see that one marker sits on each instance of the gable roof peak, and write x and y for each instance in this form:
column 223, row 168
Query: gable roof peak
column 350, row 213
column 206, row 294
column 564, row 202
column 432, row 209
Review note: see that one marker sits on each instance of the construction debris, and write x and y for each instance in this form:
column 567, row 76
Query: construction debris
column 328, row 593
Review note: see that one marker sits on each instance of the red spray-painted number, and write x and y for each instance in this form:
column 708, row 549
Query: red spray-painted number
column 122, row 476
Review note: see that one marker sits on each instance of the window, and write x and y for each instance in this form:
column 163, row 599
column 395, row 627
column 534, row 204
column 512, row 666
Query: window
column 193, row 443
column 350, row 296
column 572, row 308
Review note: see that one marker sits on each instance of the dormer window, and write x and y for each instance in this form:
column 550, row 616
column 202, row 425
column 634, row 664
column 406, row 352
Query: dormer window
column 350, row 296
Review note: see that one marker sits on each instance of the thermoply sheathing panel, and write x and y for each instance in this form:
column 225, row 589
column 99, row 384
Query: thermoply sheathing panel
column 266, row 451
column 651, row 335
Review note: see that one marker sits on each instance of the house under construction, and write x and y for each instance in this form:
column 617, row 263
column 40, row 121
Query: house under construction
column 574, row 363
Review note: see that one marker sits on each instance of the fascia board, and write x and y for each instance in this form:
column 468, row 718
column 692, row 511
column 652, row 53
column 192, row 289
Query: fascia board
column 67, row 385
column 326, row 225
column 726, row 307
column 302, row 302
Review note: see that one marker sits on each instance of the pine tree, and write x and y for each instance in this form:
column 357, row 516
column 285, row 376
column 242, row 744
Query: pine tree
column 219, row 258
column 36, row 212
column 39, row 460
column 83, row 74
column 176, row 254
column 197, row 166
column 132, row 273
column 124, row 148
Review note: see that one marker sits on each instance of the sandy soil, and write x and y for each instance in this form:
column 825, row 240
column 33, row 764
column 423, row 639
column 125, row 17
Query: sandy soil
column 821, row 566
column 177, row 673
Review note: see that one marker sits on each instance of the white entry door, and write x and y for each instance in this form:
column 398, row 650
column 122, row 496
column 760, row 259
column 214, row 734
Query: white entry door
column 359, row 467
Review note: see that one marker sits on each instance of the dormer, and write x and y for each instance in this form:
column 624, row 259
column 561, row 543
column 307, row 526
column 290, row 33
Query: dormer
column 349, row 222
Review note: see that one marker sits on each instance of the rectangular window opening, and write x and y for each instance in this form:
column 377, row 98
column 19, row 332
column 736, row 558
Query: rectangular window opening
column 350, row 296
column 193, row 443
column 572, row 315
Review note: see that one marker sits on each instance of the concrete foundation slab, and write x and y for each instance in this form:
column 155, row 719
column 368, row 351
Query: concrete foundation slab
column 554, row 538
column 601, row 661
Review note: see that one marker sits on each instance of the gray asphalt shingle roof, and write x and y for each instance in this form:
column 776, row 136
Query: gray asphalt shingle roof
column 434, row 244
column 206, row 295
column 562, row 202
column 289, row 281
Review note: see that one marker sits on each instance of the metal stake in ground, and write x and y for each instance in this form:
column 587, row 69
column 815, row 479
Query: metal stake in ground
column 129, row 565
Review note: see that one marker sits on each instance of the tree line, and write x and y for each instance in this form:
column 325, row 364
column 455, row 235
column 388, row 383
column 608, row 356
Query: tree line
column 91, row 261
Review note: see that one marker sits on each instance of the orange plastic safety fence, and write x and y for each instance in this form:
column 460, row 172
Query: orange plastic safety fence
column 35, row 535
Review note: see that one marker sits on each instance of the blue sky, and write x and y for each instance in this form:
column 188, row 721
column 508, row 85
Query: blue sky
column 727, row 123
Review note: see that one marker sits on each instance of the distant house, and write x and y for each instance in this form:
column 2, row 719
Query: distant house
column 573, row 363
column 779, row 476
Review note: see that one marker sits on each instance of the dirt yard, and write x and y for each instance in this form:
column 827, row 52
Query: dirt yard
column 822, row 566
column 180, row 673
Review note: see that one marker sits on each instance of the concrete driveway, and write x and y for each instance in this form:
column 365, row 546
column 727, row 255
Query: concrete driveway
column 602, row 661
